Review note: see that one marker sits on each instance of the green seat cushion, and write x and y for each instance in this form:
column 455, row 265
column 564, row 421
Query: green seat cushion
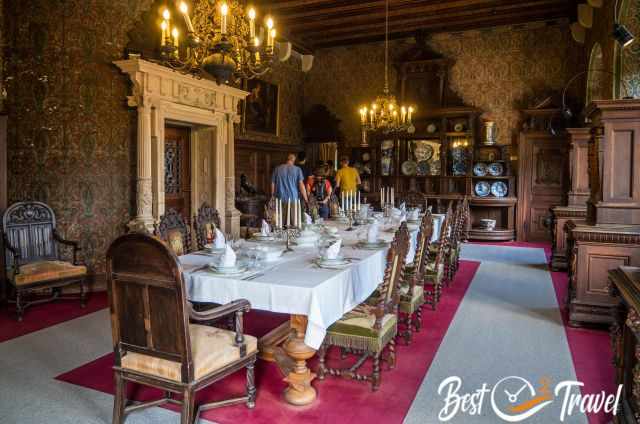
column 410, row 304
column 357, row 332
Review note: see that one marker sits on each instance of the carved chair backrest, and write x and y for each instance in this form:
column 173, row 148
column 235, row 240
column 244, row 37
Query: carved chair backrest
column 394, row 271
column 414, row 199
column 29, row 228
column 422, row 244
column 205, row 223
column 149, row 314
column 443, row 241
column 174, row 231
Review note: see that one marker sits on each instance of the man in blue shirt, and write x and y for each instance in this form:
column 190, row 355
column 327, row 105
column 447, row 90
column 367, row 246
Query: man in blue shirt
column 287, row 181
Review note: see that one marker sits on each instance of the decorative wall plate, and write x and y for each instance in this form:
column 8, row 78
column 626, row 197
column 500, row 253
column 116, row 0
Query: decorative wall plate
column 423, row 152
column 366, row 157
column 459, row 127
column 387, row 144
column 431, row 128
column 480, row 169
column 459, row 168
column 482, row 188
column 496, row 169
column 409, row 168
column 499, row 189
column 423, row 168
column 458, row 154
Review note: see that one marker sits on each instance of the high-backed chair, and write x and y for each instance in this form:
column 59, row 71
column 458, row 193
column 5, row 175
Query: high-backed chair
column 369, row 328
column 205, row 223
column 174, row 230
column 33, row 257
column 153, row 340
column 412, row 287
column 434, row 275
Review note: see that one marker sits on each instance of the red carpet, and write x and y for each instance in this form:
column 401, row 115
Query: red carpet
column 590, row 348
column 45, row 315
column 339, row 401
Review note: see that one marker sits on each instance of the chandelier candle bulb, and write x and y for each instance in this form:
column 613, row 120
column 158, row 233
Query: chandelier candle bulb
column 409, row 115
column 163, row 39
column 252, row 23
column 403, row 114
column 175, row 34
column 224, row 10
column 273, row 37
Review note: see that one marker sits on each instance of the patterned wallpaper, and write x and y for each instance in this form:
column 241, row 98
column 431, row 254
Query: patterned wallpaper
column 71, row 134
column 499, row 71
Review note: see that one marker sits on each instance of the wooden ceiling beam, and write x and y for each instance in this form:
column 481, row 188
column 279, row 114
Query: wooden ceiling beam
column 434, row 27
column 494, row 6
column 419, row 19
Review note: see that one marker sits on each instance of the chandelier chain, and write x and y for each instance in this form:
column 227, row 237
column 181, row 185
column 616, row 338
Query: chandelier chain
column 386, row 47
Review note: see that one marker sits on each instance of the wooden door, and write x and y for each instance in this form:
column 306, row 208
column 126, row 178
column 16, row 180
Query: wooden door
column 542, row 183
column 177, row 170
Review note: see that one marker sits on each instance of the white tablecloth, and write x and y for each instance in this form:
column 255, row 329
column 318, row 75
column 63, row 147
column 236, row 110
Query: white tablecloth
column 296, row 286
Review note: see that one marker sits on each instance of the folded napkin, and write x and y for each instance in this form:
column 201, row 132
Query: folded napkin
column 372, row 233
column 414, row 215
column 333, row 251
column 403, row 206
column 265, row 230
column 403, row 217
column 228, row 259
column 396, row 213
column 307, row 219
column 219, row 241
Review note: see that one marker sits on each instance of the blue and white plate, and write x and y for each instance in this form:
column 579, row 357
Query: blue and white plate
column 422, row 169
column 496, row 169
column 499, row 189
column 480, row 169
column 459, row 168
column 482, row 188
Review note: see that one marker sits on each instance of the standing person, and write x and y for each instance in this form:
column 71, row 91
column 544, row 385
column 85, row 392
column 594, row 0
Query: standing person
column 331, row 173
column 347, row 177
column 320, row 188
column 287, row 181
column 302, row 163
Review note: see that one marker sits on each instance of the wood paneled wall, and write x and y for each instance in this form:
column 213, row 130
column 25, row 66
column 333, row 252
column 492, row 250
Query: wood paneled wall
column 257, row 160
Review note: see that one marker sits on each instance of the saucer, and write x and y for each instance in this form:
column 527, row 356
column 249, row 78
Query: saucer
column 231, row 270
column 340, row 260
column 364, row 244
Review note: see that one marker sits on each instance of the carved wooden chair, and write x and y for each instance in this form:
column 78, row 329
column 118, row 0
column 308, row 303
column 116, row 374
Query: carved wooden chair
column 412, row 287
column 33, row 257
column 369, row 329
column 205, row 223
column 154, row 342
column 413, row 199
column 434, row 276
column 453, row 253
column 173, row 230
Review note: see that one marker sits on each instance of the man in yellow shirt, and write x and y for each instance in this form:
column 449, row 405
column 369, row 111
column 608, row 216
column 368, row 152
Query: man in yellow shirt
column 347, row 178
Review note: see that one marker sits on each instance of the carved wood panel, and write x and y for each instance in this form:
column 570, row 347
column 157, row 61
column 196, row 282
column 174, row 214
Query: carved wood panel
column 177, row 178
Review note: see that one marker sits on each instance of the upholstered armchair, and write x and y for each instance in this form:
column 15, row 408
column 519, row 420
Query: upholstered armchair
column 33, row 259
column 370, row 327
column 173, row 230
column 154, row 342
column 205, row 223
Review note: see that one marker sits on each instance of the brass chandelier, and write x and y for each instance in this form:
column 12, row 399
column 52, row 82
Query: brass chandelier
column 385, row 114
column 224, row 40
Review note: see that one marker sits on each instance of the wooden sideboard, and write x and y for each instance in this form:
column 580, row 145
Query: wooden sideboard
column 625, row 338
column 576, row 209
column 595, row 250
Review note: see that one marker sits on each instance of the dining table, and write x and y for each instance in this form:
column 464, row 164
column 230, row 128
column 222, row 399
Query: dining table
column 296, row 284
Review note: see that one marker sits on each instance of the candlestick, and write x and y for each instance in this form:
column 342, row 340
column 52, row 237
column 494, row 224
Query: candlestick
column 224, row 9
column 288, row 212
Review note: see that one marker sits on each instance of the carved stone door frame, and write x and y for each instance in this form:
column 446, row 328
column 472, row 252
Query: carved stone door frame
column 162, row 95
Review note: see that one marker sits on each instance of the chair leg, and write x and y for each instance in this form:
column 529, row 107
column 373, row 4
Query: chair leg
column 119, row 399
column 375, row 376
column 418, row 319
column 322, row 366
column 407, row 333
column 19, row 307
column 83, row 293
column 251, row 386
column 392, row 354
column 188, row 407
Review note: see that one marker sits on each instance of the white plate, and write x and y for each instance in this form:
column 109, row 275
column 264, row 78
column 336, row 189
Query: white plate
column 258, row 236
column 363, row 244
column 235, row 270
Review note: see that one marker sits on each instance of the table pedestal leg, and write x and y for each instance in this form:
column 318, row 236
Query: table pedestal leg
column 300, row 391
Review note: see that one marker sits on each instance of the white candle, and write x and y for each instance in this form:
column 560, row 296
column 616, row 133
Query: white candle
column 252, row 23
column 381, row 196
column 359, row 201
column 288, row 212
column 392, row 197
column 224, row 9
column 342, row 205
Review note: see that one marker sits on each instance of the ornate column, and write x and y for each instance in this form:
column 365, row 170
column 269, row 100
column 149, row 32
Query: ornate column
column 232, row 215
column 144, row 194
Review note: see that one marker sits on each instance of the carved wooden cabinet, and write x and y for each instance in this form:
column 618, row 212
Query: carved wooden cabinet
column 625, row 337
column 614, row 162
column 542, row 177
column 595, row 250
column 576, row 209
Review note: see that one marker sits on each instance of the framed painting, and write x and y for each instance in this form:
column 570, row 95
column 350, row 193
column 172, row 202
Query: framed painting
column 261, row 108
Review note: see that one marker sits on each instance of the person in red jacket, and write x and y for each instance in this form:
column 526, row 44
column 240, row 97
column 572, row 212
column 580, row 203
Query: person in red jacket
column 320, row 187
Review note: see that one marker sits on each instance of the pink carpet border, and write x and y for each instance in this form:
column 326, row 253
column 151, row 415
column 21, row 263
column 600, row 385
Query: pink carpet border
column 339, row 401
column 590, row 348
